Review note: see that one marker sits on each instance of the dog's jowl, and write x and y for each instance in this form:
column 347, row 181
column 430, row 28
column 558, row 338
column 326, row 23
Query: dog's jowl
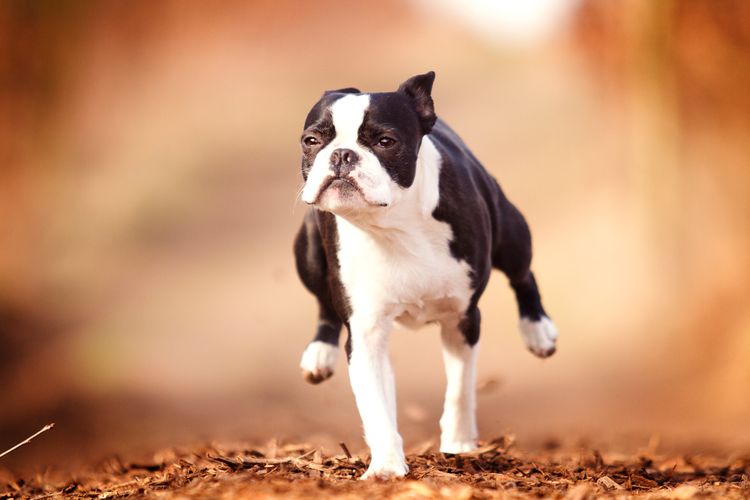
column 405, row 225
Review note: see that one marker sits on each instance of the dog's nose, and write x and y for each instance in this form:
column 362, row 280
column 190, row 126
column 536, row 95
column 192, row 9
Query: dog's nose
column 343, row 161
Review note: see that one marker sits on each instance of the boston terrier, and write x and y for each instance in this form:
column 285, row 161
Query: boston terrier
column 404, row 225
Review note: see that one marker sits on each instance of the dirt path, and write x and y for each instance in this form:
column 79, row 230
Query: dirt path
column 497, row 470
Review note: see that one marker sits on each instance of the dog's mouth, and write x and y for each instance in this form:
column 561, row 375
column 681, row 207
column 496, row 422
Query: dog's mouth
column 345, row 185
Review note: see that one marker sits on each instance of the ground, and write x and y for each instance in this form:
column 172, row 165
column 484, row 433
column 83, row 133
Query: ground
column 496, row 470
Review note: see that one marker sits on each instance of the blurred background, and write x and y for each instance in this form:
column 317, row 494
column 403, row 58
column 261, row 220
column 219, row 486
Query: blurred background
column 149, row 162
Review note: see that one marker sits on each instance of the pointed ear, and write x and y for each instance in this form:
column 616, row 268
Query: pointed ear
column 348, row 90
column 419, row 89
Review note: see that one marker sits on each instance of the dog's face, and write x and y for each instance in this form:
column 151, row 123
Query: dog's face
column 359, row 151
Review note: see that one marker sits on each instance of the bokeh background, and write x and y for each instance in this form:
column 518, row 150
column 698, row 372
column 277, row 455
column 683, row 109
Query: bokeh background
column 148, row 169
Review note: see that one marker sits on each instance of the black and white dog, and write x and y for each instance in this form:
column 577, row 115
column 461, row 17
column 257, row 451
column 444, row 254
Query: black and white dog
column 405, row 225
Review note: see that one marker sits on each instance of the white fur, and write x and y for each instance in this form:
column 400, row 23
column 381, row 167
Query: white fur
column 371, row 377
column 388, row 260
column 540, row 336
column 378, row 187
column 458, row 424
column 319, row 360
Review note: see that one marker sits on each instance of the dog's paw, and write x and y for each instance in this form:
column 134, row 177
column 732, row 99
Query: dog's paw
column 456, row 447
column 318, row 361
column 540, row 336
column 390, row 469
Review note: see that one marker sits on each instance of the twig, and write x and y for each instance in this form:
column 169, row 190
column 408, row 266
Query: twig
column 306, row 455
column 48, row 495
column 28, row 439
column 268, row 461
column 346, row 450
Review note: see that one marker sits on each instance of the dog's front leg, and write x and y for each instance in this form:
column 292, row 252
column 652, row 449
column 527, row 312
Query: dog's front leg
column 460, row 348
column 374, row 389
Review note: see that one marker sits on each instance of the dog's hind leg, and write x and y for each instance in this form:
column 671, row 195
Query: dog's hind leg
column 537, row 329
column 513, row 257
column 319, row 358
column 458, row 427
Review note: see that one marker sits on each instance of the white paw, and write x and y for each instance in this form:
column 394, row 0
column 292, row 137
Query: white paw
column 455, row 447
column 540, row 336
column 389, row 469
column 318, row 361
column 458, row 429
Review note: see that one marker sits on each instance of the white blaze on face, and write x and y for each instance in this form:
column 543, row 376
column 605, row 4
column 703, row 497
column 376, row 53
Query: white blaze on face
column 377, row 186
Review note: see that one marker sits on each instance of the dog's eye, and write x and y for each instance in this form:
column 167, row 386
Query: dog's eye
column 310, row 141
column 386, row 142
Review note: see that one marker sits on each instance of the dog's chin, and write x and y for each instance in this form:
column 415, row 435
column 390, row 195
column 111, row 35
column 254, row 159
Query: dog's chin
column 344, row 198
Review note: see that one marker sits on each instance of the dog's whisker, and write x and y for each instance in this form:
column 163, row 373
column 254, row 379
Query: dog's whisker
column 298, row 197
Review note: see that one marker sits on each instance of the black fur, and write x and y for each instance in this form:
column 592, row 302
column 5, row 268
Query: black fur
column 488, row 230
column 313, row 270
column 419, row 90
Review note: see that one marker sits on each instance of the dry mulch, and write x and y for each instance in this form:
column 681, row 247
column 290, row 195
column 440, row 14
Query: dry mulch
column 496, row 470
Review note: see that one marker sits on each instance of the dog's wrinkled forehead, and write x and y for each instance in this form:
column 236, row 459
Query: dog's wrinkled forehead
column 347, row 112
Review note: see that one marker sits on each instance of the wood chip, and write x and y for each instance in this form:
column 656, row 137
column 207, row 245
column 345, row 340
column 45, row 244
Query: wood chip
column 608, row 483
column 495, row 470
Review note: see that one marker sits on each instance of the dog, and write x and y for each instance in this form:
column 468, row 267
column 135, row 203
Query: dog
column 404, row 225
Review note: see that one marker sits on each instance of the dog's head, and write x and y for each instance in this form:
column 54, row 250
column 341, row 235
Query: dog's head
column 359, row 151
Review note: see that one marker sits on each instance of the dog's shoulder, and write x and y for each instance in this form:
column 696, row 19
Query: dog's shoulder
column 471, row 200
column 457, row 159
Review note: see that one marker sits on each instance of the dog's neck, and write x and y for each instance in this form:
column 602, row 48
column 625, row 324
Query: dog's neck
column 410, row 205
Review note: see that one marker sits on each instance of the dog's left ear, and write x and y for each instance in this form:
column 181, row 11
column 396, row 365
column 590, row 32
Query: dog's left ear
column 419, row 89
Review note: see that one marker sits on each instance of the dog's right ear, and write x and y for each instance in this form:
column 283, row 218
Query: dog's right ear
column 347, row 90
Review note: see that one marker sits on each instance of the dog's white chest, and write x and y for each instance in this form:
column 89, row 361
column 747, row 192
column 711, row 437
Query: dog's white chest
column 407, row 274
